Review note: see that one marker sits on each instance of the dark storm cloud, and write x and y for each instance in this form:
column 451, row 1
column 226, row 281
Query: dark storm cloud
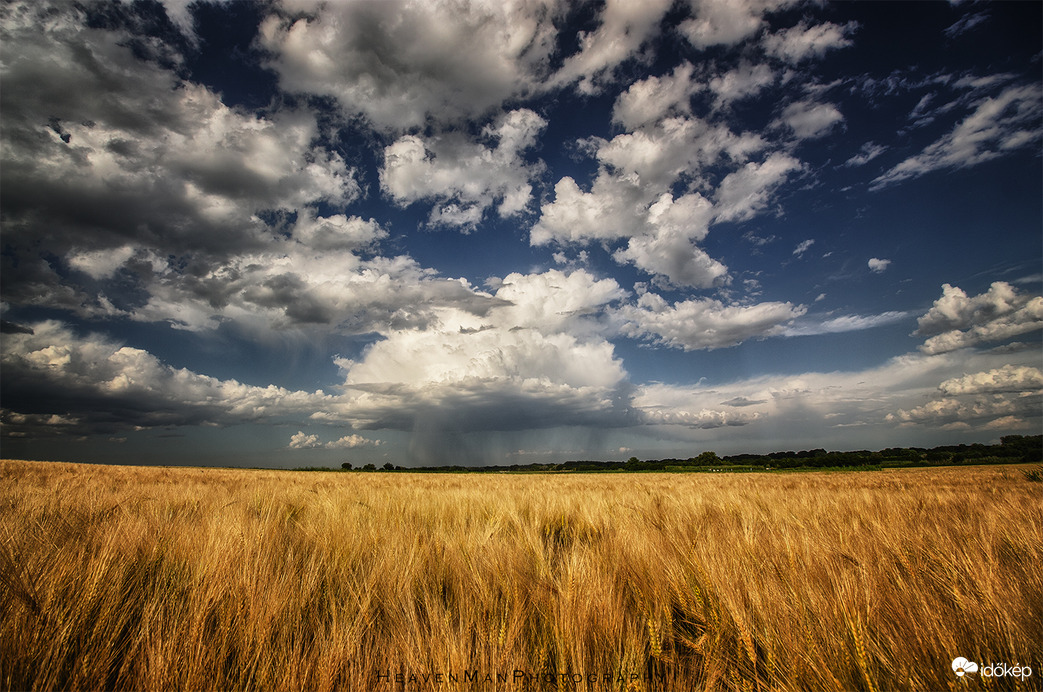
column 57, row 380
column 479, row 406
column 103, row 149
column 13, row 328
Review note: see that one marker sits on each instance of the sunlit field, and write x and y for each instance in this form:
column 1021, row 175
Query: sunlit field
column 156, row 578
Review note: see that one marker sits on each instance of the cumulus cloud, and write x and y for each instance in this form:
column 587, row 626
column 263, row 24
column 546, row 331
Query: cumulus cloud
column 999, row 396
column 657, row 155
column 352, row 442
column 336, row 231
column 100, row 264
column 301, row 440
column 466, row 178
column 877, row 265
column 630, row 197
column 998, row 125
column 957, row 320
column 610, row 210
column 673, row 259
column 716, row 22
column 662, row 235
column 623, row 28
column 900, row 394
column 744, row 81
column 537, row 360
column 291, row 285
column 956, row 310
column 1009, row 378
column 704, row 323
column 654, row 98
column 399, row 63
column 973, row 411
column 666, row 247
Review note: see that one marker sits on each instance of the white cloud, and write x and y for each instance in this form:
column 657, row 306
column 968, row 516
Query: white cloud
column 638, row 168
column 352, row 442
column 803, row 247
column 867, row 153
column 649, row 100
column 630, row 198
column 957, row 321
column 745, row 192
column 292, row 286
column 704, row 323
column 552, row 300
column 877, row 265
column 536, row 361
column 810, row 120
column 846, row 409
column 1027, row 318
column 336, row 232
column 464, row 177
column 654, row 157
column 673, row 256
column 398, row 63
column 662, row 235
column 998, row 125
column 611, row 210
column 746, row 80
column 801, row 42
column 956, row 310
column 845, row 323
column 972, row 411
column 728, row 22
column 1009, row 378
column 299, row 440
column 666, row 248
column 624, row 27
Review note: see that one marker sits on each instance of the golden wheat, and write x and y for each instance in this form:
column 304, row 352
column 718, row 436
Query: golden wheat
column 156, row 578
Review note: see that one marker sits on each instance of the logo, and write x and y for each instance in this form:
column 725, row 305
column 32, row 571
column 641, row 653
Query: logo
column 961, row 666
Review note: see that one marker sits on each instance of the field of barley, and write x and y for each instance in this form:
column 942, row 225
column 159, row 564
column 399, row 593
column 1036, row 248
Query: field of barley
column 204, row 579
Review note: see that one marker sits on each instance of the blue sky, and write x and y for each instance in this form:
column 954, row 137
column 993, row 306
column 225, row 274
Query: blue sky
column 300, row 233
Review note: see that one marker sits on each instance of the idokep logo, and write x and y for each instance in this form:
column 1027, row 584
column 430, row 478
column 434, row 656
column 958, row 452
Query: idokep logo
column 961, row 666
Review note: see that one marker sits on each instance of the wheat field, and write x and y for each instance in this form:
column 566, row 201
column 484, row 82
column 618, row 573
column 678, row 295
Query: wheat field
column 204, row 579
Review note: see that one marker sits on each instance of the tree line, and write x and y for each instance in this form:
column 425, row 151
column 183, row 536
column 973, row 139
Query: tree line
column 1011, row 449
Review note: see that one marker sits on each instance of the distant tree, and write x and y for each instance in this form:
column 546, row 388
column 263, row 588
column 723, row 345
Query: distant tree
column 346, row 466
column 708, row 459
column 633, row 460
column 389, row 466
column 369, row 467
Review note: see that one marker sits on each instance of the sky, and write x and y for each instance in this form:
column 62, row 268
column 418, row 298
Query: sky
column 298, row 233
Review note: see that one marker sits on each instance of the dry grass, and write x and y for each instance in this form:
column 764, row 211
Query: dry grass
column 151, row 579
